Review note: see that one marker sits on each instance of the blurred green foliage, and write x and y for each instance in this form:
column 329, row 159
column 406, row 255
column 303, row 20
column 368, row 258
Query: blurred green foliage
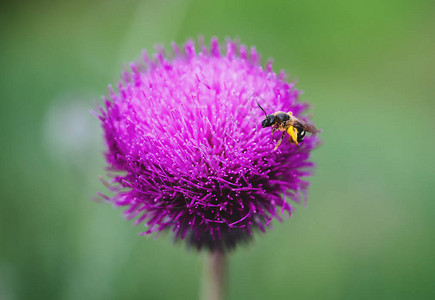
column 366, row 66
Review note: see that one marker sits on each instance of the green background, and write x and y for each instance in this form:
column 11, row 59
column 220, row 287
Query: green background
column 367, row 68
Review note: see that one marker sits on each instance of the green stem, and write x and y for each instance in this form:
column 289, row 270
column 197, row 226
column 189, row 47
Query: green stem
column 214, row 281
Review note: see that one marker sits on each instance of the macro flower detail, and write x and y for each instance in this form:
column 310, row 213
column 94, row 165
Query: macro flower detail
column 186, row 149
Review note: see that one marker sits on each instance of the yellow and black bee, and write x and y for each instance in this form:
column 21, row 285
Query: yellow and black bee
column 286, row 122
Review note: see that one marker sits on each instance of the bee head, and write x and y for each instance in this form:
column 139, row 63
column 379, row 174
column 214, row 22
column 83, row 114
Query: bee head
column 269, row 121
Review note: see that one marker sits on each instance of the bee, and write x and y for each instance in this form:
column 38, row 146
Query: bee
column 287, row 123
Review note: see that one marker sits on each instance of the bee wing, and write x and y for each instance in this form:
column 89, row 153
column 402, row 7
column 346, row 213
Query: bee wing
column 305, row 125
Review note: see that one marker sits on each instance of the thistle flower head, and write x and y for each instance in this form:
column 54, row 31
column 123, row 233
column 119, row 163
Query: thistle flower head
column 187, row 151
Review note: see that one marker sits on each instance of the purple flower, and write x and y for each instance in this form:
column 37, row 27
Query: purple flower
column 187, row 151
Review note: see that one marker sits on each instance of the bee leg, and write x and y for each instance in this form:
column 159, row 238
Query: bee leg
column 279, row 142
column 293, row 135
column 273, row 131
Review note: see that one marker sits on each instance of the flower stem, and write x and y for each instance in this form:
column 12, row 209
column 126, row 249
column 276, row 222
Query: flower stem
column 214, row 280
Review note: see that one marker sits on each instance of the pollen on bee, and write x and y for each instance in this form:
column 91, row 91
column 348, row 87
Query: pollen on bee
column 293, row 134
